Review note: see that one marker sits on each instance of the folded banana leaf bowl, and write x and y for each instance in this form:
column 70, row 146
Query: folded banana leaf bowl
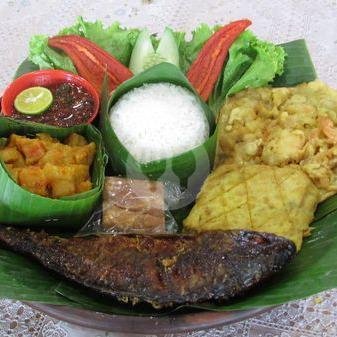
column 313, row 270
column 18, row 206
column 195, row 163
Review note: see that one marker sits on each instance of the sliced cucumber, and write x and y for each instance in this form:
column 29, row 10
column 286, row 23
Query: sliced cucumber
column 168, row 48
column 144, row 56
column 142, row 49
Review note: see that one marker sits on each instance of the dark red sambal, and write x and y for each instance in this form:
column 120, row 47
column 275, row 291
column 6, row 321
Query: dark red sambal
column 72, row 105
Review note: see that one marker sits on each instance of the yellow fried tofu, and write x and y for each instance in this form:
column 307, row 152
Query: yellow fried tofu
column 33, row 179
column 256, row 197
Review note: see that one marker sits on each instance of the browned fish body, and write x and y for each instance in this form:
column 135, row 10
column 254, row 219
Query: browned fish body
column 163, row 271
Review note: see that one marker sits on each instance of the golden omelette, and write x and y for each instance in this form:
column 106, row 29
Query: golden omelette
column 256, row 197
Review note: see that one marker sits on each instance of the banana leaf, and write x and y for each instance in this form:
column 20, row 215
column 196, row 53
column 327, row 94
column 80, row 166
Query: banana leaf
column 298, row 67
column 21, row 207
column 195, row 163
column 26, row 66
column 313, row 270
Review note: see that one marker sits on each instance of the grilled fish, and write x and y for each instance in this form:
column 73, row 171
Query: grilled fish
column 162, row 271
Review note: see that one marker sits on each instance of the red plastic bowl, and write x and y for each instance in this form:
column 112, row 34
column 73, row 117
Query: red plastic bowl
column 45, row 78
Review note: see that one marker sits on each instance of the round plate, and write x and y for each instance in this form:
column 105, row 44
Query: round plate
column 144, row 325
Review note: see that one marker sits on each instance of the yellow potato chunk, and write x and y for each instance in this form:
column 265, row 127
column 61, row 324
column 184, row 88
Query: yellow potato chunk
column 10, row 155
column 33, row 179
column 67, row 179
column 61, row 154
column 47, row 140
column 14, row 172
column 75, row 140
column 47, row 167
column 32, row 149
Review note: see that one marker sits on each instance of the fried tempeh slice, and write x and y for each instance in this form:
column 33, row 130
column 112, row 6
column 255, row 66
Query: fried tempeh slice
column 163, row 271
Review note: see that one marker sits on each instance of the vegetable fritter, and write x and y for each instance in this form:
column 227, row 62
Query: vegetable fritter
column 282, row 126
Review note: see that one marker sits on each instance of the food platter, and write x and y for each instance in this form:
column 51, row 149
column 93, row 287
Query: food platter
column 201, row 193
column 146, row 325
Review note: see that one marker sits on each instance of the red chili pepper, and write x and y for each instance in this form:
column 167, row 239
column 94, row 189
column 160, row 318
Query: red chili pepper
column 91, row 61
column 207, row 67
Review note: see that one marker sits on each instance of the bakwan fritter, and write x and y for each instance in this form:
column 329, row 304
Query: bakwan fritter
column 45, row 166
column 282, row 126
column 262, row 198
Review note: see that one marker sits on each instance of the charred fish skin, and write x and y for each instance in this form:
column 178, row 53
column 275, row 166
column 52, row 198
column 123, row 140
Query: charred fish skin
column 162, row 271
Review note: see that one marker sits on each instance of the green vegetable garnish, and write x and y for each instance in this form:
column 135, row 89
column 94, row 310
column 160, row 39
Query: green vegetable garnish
column 252, row 63
column 145, row 56
column 47, row 58
column 114, row 39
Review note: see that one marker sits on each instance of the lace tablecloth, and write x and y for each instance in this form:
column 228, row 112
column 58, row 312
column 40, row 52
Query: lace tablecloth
column 278, row 21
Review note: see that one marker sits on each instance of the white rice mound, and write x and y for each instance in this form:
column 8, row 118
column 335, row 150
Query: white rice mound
column 158, row 121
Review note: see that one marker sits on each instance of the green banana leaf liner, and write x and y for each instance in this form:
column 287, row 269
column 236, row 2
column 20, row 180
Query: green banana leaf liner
column 188, row 169
column 21, row 207
column 312, row 271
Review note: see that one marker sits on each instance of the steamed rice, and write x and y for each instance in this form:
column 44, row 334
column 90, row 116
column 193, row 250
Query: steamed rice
column 158, row 121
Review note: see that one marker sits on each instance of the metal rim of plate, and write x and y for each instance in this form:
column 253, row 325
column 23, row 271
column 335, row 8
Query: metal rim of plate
column 144, row 325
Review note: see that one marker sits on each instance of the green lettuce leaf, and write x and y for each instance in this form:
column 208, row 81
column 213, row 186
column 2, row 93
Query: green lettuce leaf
column 252, row 63
column 189, row 50
column 114, row 39
column 267, row 64
column 47, row 58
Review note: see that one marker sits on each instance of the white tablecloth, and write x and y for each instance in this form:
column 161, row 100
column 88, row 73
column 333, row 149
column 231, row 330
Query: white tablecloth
column 277, row 21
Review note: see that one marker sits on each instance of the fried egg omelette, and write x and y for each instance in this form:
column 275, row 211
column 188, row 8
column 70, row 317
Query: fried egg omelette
column 278, row 200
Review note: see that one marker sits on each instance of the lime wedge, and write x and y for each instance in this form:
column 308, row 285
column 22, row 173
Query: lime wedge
column 33, row 101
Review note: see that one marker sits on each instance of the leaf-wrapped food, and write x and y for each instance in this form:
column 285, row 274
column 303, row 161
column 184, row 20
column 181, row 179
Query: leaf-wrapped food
column 21, row 207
